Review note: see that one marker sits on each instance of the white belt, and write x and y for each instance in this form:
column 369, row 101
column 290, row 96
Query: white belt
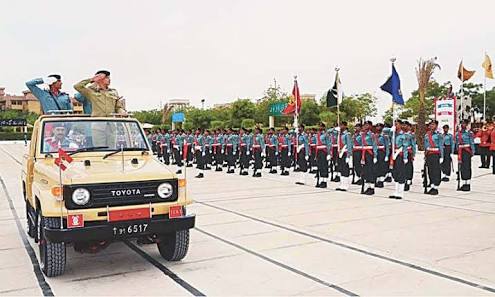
column 256, row 145
column 321, row 146
column 369, row 147
column 464, row 145
column 197, row 147
column 397, row 152
column 176, row 147
column 342, row 151
column 300, row 147
column 433, row 149
column 381, row 146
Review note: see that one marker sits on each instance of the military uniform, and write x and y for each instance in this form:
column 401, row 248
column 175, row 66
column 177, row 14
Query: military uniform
column 344, row 159
column 244, row 153
column 484, row 147
column 433, row 153
column 398, row 161
column 369, row 154
column 302, row 156
column 231, row 145
column 177, row 143
column 334, row 156
column 200, row 154
column 272, row 152
column 323, row 146
column 464, row 143
column 218, row 148
column 285, row 144
column 448, row 145
column 357, row 167
column 410, row 140
column 382, row 164
column 258, row 152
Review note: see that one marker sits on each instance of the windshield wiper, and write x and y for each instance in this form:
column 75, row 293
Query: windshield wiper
column 126, row 149
column 87, row 149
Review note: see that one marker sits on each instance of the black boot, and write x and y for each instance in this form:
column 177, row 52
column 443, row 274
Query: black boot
column 407, row 187
column 336, row 179
column 445, row 179
column 379, row 184
column 323, row 185
column 218, row 169
column 284, row 173
column 200, row 175
column 433, row 191
column 388, row 179
column 178, row 171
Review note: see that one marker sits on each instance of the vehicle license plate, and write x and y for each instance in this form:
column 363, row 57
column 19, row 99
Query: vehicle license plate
column 131, row 229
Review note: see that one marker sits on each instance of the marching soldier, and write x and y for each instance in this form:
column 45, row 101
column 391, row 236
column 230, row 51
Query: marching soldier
column 410, row 139
column 492, row 147
column 199, row 153
column 464, row 143
column 312, row 150
column 165, row 146
column 208, row 141
column 356, row 155
column 434, row 156
column 218, row 149
column 383, row 155
column 333, row 134
column 398, row 160
column 177, row 149
column 272, row 150
column 231, row 148
column 258, row 149
column 189, row 140
column 302, row 155
column 344, row 157
column 323, row 146
column 285, row 151
column 244, row 151
column 368, row 158
column 484, row 147
column 448, row 145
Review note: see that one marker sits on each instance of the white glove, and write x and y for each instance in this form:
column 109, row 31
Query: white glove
column 329, row 157
column 337, row 129
column 441, row 160
column 222, row 151
column 288, row 154
column 393, row 128
column 406, row 160
column 307, row 158
column 49, row 80
column 276, row 153
column 386, row 158
column 203, row 154
column 375, row 160
column 348, row 160
column 247, row 153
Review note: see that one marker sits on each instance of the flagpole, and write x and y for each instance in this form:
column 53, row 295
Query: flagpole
column 338, row 109
column 462, row 91
column 393, row 120
column 484, row 94
column 296, row 116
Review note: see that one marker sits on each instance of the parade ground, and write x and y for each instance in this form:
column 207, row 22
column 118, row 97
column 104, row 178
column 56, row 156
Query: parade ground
column 268, row 236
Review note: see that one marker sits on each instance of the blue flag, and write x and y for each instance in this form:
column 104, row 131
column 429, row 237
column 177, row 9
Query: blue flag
column 392, row 86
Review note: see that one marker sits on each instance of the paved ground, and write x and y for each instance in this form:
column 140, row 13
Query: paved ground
column 267, row 236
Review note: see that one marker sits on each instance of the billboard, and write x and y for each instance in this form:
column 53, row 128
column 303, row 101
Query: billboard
column 178, row 117
column 445, row 113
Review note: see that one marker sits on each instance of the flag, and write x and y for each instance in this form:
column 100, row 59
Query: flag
column 392, row 86
column 334, row 95
column 294, row 100
column 63, row 156
column 487, row 65
column 463, row 74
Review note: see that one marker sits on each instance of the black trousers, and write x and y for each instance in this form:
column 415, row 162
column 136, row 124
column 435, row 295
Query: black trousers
column 447, row 160
column 230, row 156
column 399, row 170
column 301, row 160
column 217, row 152
column 381, row 165
column 178, row 157
column 434, row 173
column 166, row 154
column 342, row 166
column 312, row 157
column 322, row 163
column 200, row 159
column 356, row 163
column 484, row 155
column 284, row 159
column 190, row 153
column 243, row 158
column 369, row 174
column 466, row 171
column 493, row 161
column 410, row 167
column 270, row 156
column 258, row 161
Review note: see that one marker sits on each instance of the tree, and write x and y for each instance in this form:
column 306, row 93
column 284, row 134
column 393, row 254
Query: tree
column 242, row 109
column 217, row 125
column 248, row 123
column 310, row 113
column 153, row 116
column 199, row 118
column 424, row 71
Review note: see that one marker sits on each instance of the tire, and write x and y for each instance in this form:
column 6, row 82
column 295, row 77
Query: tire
column 52, row 255
column 174, row 246
column 31, row 227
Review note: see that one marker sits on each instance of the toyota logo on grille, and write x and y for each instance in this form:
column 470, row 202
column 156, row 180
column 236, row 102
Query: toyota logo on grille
column 125, row 192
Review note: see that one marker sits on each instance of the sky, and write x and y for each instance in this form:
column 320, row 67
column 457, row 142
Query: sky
column 221, row 50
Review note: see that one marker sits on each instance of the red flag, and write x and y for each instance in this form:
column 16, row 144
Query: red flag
column 60, row 164
column 294, row 101
column 63, row 156
column 184, row 153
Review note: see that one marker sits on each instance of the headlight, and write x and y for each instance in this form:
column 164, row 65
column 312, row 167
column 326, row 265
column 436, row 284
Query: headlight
column 80, row 196
column 165, row 190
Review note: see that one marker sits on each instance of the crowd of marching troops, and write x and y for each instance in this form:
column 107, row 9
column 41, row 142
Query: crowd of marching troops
column 369, row 156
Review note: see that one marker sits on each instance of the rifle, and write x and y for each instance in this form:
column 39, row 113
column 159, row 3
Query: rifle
column 424, row 175
column 458, row 176
column 353, row 173
column 331, row 168
column 362, row 184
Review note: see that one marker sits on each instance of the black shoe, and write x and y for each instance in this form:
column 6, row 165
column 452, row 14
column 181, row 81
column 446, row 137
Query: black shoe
column 230, row 171
column 388, row 179
column 300, row 183
column 482, row 166
column 445, row 179
column 218, row 169
column 273, row 171
column 244, row 173
column 359, row 182
column 317, row 185
column 393, row 197
column 336, row 179
column 189, row 165
column 200, row 175
column 379, row 184
column 466, row 188
column 297, row 169
column 313, row 171
column 433, row 191
column 178, row 172
column 369, row 192
column 323, row 185
column 407, row 187
column 224, row 165
column 341, row 190
column 284, row 173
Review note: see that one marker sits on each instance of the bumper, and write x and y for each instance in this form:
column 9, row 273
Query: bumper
column 107, row 231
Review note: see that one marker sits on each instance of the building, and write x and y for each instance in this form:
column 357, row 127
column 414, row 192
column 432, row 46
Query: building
column 27, row 102
column 308, row 97
column 222, row 105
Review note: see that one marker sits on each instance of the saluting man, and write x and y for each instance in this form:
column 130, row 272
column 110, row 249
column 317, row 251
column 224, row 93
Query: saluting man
column 464, row 142
column 53, row 98
column 434, row 156
column 448, row 145
column 302, row 156
column 344, row 157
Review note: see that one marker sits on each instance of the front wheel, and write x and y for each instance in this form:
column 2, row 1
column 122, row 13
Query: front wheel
column 173, row 246
column 52, row 255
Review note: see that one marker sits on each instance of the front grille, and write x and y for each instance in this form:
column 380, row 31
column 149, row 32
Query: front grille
column 120, row 194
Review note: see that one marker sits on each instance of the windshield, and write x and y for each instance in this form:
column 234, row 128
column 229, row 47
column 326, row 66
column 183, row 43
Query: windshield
column 107, row 135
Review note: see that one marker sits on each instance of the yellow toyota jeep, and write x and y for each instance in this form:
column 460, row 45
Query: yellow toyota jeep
column 90, row 181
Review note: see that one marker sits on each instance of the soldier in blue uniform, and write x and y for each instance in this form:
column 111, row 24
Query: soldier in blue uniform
column 410, row 140
column 200, row 153
column 285, row 151
column 383, row 155
column 272, row 150
column 323, row 146
column 332, row 135
column 302, row 154
column 399, row 158
column 165, row 146
column 178, row 149
column 218, row 148
column 231, row 148
column 357, row 148
column 368, row 158
column 189, row 139
column 244, row 151
column 312, row 150
column 258, row 151
column 433, row 144
column 448, row 145
column 464, row 144
column 344, row 157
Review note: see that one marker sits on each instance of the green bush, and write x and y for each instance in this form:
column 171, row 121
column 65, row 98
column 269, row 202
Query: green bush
column 13, row 136
column 248, row 123
column 188, row 126
column 217, row 125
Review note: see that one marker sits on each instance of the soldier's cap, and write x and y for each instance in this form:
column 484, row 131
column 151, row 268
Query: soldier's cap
column 434, row 122
column 399, row 121
column 343, row 123
column 301, row 126
column 445, row 126
column 106, row 72
column 56, row 76
column 465, row 121
column 369, row 123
